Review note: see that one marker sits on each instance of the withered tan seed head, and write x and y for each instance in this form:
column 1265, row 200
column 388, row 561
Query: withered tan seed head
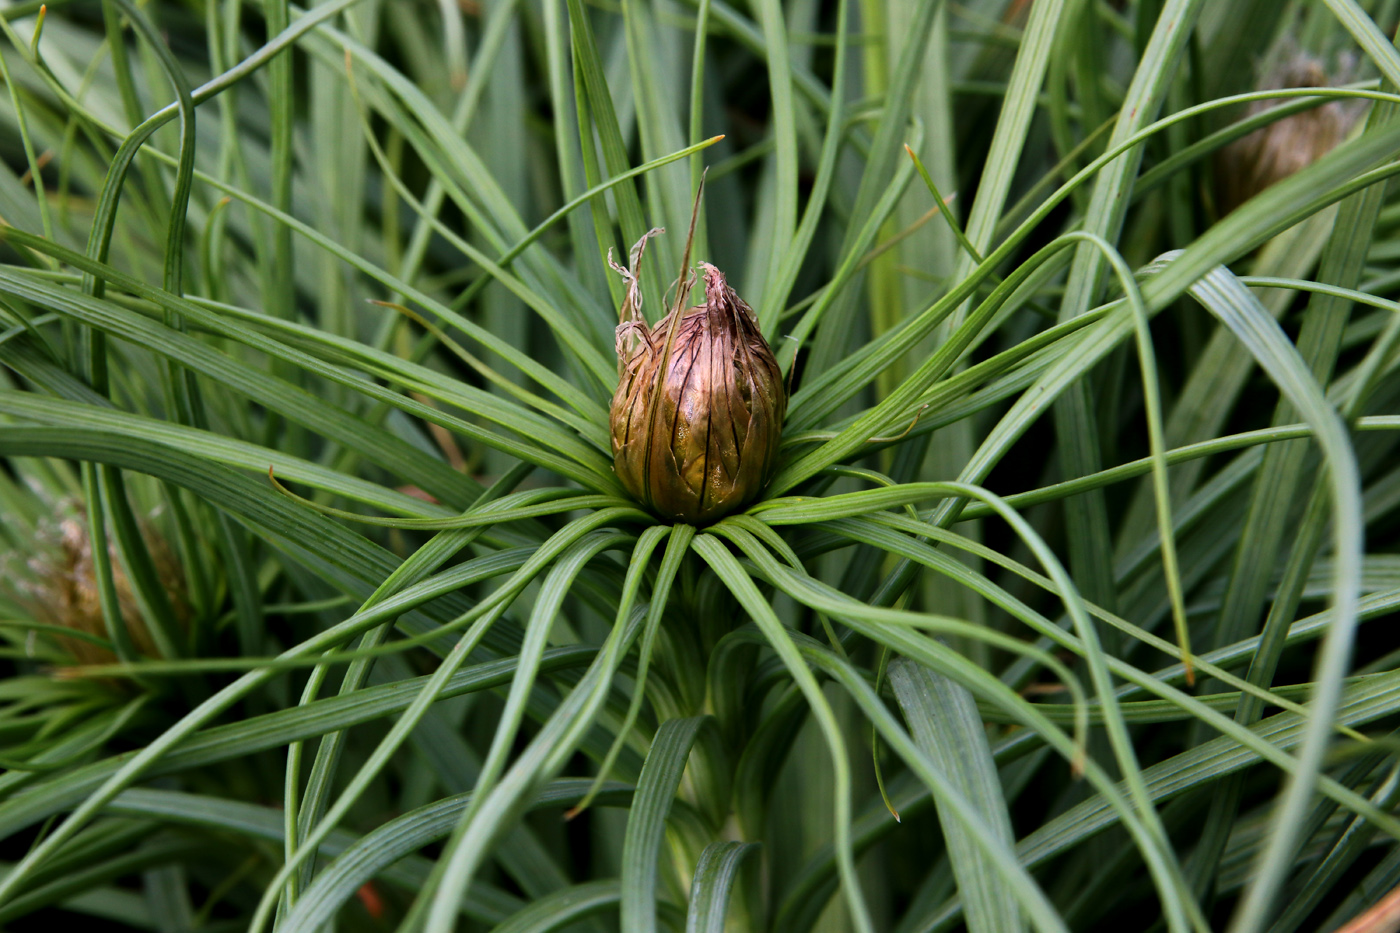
column 1272, row 153
column 57, row 584
column 698, row 411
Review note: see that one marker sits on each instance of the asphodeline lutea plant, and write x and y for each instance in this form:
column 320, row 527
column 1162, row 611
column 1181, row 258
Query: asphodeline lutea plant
column 700, row 615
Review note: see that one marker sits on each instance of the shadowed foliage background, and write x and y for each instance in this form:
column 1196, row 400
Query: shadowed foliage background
column 1068, row 606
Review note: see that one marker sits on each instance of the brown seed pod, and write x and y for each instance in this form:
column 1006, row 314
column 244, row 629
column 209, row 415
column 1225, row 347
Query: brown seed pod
column 700, row 400
column 1272, row 153
column 57, row 584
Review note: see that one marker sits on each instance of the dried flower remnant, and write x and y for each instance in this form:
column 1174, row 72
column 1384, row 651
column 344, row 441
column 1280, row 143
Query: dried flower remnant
column 1272, row 153
column 698, row 411
column 58, row 586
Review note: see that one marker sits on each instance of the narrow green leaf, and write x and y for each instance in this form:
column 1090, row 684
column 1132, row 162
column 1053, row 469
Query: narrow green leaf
column 944, row 721
column 646, row 821
column 562, row 908
column 742, row 586
column 712, row 884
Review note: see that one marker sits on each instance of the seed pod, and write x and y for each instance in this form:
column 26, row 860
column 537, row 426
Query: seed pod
column 57, row 584
column 1272, row 153
column 699, row 406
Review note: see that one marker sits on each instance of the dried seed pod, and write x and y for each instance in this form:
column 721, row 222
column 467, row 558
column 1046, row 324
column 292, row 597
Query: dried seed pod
column 1272, row 153
column 699, row 406
column 57, row 584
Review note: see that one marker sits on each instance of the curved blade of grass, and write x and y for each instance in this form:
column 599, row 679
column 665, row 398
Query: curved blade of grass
column 297, row 404
column 944, row 721
column 958, row 807
column 413, row 570
column 863, row 530
column 646, row 821
column 280, row 395
column 108, row 506
column 562, row 908
column 547, row 753
column 1283, row 205
column 348, row 561
column 596, row 104
column 210, row 446
column 1143, row 465
column 573, row 545
column 1086, row 518
column 742, row 586
column 483, row 616
column 1238, row 309
column 1156, row 684
column 677, row 546
column 359, row 860
column 712, row 883
column 1278, row 478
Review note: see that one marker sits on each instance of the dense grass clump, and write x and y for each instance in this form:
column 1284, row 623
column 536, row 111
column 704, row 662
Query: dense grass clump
column 1063, row 601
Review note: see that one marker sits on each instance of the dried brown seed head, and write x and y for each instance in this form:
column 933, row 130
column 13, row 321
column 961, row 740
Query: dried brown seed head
column 1272, row 153
column 698, row 411
column 57, row 584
